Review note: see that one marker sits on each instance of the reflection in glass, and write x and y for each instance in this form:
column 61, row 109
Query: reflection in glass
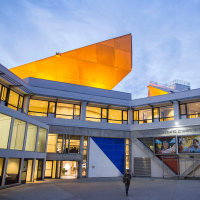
column 38, row 108
column 31, row 138
column 12, row 173
column 51, row 145
column 5, row 122
column 18, row 135
column 145, row 116
column 93, row 114
column 42, row 140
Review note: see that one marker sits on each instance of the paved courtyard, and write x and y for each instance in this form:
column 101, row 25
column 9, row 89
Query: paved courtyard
column 104, row 188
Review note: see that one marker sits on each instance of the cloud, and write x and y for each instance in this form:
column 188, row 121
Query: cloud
column 166, row 35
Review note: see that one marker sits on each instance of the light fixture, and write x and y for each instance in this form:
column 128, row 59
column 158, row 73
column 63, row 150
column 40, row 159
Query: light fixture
column 176, row 123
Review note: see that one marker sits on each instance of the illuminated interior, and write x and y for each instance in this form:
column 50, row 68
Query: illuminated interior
column 101, row 65
column 192, row 110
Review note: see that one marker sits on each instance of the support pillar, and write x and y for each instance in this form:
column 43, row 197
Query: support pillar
column 83, row 110
column 176, row 110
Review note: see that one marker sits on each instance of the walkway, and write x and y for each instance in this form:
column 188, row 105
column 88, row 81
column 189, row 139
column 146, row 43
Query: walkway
column 104, row 189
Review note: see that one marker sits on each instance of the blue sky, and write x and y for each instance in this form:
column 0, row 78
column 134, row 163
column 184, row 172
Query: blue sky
column 165, row 33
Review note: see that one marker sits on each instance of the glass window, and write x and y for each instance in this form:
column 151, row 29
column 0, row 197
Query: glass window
column 115, row 116
column 18, row 135
column 5, row 122
column 13, row 99
column 127, row 141
column 127, row 161
column 84, row 155
column 4, row 93
column 85, row 142
column 135, row 115
column 74, row 144
column 125, row 115
column 12, row 173
column 52, row 106
column 1, row 168
column 59, row 143
column 76, row 110
column 84, row 167
column 104, row 113
column 21, row 99
column 66, row 140
column 51, row 145
column 145, row 116
column 193, row 110
column 38, row 108
column 48, row 169
column 29, row 171
column 166, row 113
column 93, row 114
column 31, row 137
column 42, row 140
column 156, row 113
column 64, row 111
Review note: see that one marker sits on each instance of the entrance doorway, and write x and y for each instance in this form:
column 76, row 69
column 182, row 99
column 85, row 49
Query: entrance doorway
column 69, row 169
column 27, row 170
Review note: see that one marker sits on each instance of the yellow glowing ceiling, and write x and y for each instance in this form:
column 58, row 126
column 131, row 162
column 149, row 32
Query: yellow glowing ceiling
column 101, row 65
column 155, row 91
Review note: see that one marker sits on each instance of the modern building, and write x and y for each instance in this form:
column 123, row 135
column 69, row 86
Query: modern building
column 59, row 118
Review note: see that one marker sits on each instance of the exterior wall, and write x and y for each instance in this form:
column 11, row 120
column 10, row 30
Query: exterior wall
column 106, row 157
column 21, row 154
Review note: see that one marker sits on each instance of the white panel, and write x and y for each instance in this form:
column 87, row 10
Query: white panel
column 103, row 167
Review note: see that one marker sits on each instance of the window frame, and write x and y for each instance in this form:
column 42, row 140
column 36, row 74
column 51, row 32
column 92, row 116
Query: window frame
column 117, row 120
column 160, row 118
column 186, row 110
column 138, row 116
column 96, row 117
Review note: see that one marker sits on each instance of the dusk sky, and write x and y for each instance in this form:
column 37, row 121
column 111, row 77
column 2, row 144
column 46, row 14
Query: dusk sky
column 165, row 35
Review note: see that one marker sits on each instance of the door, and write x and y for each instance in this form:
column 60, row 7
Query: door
column 24, row 171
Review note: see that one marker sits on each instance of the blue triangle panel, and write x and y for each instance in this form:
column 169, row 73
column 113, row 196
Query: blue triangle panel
column 114, row 149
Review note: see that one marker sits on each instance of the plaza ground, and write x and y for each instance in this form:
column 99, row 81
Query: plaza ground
column 104, row 188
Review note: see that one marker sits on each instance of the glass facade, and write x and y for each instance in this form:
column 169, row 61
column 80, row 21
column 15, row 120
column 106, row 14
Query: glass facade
column 31, row 137
column 48, row 169
column 166, row 113
column 93, row 114
column 42, row 140
column 51, row 145
column 5, row 123
column 1, row 168
column 18, row 135
column 74, row 144
column 190, row 110
column 38, row 108
column 12, row 173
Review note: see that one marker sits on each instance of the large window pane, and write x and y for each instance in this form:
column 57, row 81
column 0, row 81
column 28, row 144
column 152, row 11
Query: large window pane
column 193, row 110
column 18, row 135
column 1, row 168
column 64, row 109
column 42, row 140
column 166, row 112
column 93, row 114
column 135, row 115
column 74, row 144
column 125, row 115
column 4, row 93
column 76, row 110
column 115, row 116
column 5, row 122
column 48, row 169
column 145, row 116
column 156, row 113
column 13, row 98
column 37, row 106
column 12, row 173
column 51, row 145
column 52, row 107
column 31, row 137
column 59, row 143
column 104, row 113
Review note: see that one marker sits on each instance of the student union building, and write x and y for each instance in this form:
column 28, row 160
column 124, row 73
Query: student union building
column 60, row 119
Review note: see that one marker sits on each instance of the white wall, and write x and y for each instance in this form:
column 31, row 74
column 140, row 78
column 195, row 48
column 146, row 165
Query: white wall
column 156, row 170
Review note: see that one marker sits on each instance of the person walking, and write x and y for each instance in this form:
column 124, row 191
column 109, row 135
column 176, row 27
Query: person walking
column 126, row 180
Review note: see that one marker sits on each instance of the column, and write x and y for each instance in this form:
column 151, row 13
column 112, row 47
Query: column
column 83, row 110
column 80, row 162
column 176, row 110
column 130, row 115
column 26, row 104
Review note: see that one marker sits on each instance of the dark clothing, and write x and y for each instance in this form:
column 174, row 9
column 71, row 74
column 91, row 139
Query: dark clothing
column 127, row 187
column 127, row 178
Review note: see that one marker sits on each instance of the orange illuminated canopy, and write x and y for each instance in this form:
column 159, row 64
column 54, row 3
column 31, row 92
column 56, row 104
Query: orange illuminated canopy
column 101, row 65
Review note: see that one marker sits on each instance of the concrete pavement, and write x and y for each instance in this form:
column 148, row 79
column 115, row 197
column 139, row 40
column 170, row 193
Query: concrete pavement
column 104, row 189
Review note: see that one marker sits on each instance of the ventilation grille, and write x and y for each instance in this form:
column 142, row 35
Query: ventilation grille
column 142, row 166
